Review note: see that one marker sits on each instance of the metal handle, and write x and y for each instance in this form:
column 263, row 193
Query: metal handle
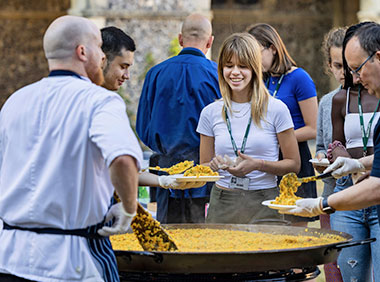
column 158, row 258
column 340, row 246
column 324, row 175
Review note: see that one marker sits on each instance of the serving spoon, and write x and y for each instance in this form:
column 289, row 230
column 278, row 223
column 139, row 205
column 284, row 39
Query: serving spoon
column 150, row 234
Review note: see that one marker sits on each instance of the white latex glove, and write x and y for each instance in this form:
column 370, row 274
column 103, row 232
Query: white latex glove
column 306, row 207
column 344, row 166
column 170, row 182
column 122, row 221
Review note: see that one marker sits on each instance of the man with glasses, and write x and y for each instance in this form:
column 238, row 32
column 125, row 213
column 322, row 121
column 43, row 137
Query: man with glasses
column 363, row 58
column 356, row 71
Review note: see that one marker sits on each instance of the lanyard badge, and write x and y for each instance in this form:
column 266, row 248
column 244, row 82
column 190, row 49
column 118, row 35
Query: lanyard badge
column 365, row 133
column 238, row 182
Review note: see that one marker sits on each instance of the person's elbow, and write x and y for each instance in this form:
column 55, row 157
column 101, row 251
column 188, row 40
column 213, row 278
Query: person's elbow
column 124, row 162
column 313, row 133
column 297, row 165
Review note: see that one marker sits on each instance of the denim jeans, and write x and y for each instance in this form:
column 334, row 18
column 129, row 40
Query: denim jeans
column 356, row 263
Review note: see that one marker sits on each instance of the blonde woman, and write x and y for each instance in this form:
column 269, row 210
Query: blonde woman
column 241, row 134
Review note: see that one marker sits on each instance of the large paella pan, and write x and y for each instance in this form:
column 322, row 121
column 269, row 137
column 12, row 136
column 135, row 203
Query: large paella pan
column 237, row 262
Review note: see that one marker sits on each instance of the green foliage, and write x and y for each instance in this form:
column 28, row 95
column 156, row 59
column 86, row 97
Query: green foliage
column 149, row 63
column 174, row 47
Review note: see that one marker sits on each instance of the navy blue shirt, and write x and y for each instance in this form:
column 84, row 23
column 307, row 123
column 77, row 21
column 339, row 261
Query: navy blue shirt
column 296, row 86
column 174, row 93
column 376, row 158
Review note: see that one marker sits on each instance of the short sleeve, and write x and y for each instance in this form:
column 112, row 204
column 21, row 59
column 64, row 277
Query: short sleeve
column 205, row 123
column 304, row 86
column 282, row 119
column 110, row 130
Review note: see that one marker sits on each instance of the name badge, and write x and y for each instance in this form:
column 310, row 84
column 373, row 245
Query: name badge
column 239, row 183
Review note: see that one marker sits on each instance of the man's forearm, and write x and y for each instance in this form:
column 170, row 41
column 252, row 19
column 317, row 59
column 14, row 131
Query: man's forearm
column 124, row 177
column 359, row 196
column 367, row 162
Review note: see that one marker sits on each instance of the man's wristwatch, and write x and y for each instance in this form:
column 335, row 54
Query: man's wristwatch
column 326, row 208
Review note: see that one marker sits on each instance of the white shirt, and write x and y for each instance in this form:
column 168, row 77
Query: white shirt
column 58, row 137
column 262, row 143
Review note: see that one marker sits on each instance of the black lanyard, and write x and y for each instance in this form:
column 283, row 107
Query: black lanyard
column 245, row 135
column 365, row 133
column 277, row 86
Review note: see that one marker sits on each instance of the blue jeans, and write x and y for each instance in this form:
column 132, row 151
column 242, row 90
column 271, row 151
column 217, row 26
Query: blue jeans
column 356, row 263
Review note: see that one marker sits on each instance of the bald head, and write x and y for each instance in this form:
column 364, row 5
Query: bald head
column 65, row 33
column 197, row 33
column 196, row 27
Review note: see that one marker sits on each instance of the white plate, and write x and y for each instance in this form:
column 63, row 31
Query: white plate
column 181, row 178
column 322, row 162
column 269, row 204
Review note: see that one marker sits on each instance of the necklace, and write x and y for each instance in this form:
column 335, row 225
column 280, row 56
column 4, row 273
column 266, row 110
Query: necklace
column 240, row 109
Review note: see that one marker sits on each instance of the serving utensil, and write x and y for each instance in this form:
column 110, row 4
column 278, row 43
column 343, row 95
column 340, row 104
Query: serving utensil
column 174, row 169
column 150, row 234
column 315, row 178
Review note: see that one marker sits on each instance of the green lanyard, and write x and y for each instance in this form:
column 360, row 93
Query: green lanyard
column 245, row 135
column 277, row 86
column 365, row 133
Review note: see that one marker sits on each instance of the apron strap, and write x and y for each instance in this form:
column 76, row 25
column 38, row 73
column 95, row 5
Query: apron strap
column 103, row 253
column 100, row 247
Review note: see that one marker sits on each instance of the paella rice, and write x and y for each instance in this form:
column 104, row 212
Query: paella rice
column 148, row 232
column 288, row 187
column 177, row 168
column 220, row 240
column 200, row 170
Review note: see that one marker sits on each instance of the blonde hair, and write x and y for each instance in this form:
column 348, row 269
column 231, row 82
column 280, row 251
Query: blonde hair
column 248, row 52
column 268, row 36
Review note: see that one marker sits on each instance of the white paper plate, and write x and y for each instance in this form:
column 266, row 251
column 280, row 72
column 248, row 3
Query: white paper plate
column 181, row 178
column 269, row 204
column 322, row 162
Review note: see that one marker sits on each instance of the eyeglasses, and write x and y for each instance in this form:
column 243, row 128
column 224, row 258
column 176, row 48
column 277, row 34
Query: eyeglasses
column 356, row 72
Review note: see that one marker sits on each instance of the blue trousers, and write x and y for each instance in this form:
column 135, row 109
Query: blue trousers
column 359, row 263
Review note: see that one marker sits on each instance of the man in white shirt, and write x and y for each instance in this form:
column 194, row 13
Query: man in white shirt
column 119, row 49
column 65, row 145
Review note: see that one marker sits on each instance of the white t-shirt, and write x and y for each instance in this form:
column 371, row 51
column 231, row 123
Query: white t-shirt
column 262, row 143
column 58, row 137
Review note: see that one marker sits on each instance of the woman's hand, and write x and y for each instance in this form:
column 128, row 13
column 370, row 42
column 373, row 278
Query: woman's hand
column 317, row 167
column 335, row 150
column 220, row 162
column 245, row 165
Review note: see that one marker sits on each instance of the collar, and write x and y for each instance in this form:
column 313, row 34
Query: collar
column 192, row 51
column 64, row 73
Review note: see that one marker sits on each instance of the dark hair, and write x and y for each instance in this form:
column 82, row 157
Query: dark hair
column 354, row 30
column 267, row 37
column 114, row 41
column 369, row 37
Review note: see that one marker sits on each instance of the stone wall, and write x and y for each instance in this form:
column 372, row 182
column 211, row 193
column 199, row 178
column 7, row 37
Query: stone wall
column 300, row 23
column 153, row 24
column 23, row 24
